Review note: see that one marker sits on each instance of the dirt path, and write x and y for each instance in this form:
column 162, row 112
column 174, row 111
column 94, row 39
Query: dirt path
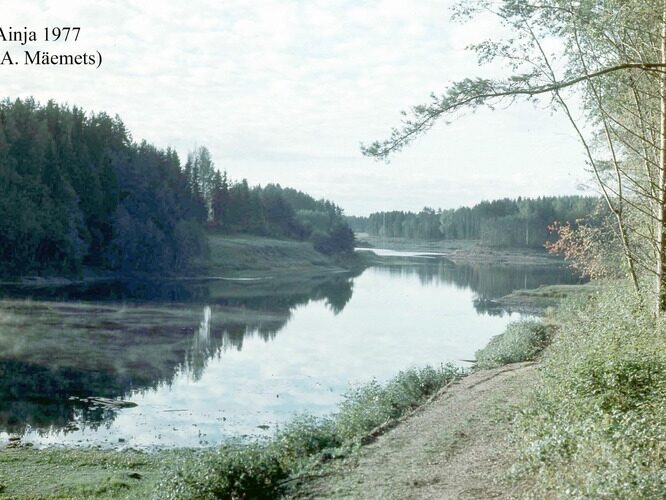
column 453, row 447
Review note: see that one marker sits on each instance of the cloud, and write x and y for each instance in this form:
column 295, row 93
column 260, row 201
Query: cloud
column 286, row 90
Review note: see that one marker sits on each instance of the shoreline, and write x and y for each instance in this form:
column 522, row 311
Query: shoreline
column 466, row 251
column 130, row 473
column 233, row 258
column 134, row 473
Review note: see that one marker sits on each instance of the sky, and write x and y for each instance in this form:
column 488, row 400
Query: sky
column 284, row 91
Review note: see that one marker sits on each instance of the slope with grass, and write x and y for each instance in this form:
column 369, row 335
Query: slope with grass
column 454, row 446
column 247, row 256
column 595, row 427
column 588, row 422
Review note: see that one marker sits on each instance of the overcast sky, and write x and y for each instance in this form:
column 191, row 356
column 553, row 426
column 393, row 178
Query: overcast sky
column 285, row 90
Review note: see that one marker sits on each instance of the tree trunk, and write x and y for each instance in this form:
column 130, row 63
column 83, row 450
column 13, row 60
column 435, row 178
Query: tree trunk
column 661, row 209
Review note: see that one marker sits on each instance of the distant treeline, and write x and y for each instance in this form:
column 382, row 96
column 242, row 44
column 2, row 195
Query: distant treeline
column 522, row 222
column 76, row 190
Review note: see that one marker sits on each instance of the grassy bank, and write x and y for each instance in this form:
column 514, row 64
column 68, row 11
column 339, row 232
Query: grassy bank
column 464, row 251
column 595, row 426
column 595, row 423
column 521, row 341
column 535, row 301
column 229, row 256
column 70, row 473
column 249, row 256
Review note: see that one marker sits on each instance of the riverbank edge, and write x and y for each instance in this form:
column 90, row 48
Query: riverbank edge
column 240, row 257
column 104, row 473
column 238, row 469
column 453, row 446
column 77, row 473
column 465, row 251
column 69, row 472
column 233, row 257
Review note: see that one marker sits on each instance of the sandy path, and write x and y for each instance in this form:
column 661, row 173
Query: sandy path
column 453, row 447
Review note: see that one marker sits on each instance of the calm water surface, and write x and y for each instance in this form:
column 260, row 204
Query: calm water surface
column 207, row 361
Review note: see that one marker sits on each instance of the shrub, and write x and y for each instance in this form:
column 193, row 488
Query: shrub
column 302, row 439
column 232, row 471
column 521, row 341
column 596, row 424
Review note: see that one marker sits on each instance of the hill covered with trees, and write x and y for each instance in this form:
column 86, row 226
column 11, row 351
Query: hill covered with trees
column 78, row 191
column 521, row 222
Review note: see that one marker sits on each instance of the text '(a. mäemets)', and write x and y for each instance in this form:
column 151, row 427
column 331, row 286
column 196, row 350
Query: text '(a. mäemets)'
column 62, row 34
column 45, row 58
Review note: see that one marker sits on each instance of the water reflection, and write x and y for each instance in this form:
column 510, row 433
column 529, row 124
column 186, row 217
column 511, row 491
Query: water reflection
column 488, row 281
column 56, row 354
column 70, row 356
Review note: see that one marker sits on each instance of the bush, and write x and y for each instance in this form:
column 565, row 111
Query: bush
column 521, row 341
column 596, row 424
column 232, row 471
column 338, row 240
column 302, row 439
column 372, row 405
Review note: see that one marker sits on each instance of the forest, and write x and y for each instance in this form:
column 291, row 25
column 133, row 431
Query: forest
column 79, row 192
column 521, row 222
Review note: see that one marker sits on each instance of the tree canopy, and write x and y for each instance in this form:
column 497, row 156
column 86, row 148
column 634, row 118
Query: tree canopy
column 78, row 191
column 521, row 222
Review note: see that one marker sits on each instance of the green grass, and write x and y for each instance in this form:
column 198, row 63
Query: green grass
column 595, row 426
column 255, row 256
column 546, row 296
column 521, row 341
column 70, row 473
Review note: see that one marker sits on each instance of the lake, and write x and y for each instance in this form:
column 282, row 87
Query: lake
column 192, row 363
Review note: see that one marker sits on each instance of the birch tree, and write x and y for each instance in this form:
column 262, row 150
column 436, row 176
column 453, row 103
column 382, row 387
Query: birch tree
column 612, row 55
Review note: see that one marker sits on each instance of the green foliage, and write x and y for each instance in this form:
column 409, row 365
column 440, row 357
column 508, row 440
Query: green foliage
column 339, row 239
column 303, row 438
column 521, row 341
column 278, row 212
column 371, row 405
column 232, row 471
column 502, row 223
column 76, row 190
column 259, row 470
column 596, row 424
